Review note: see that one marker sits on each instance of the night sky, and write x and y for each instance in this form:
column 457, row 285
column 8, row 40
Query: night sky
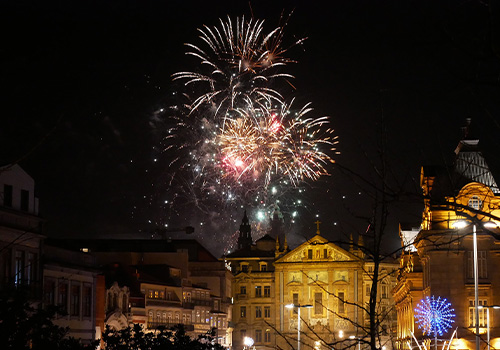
column 84, row 83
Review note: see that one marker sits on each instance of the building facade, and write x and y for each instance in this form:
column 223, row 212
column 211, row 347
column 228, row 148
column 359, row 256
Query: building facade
column 439, row 260
column 326, row 282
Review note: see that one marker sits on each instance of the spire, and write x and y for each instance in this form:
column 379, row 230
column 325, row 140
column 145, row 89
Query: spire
column 245, row 235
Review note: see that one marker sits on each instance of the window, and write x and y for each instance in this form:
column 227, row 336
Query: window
column 25, row 200
column 243, row 290
column 19, row 264
column 384, row 291
column 263, row 267
column 295, row 301
column 7, row 195
column 482, row 264
column 258, row 336
column 150, row 317
column 267, row 312
column 318, row 303
column 243, row 311
column 267, row 291
column 368, row 289
column 62, row 296
column 325, row 253
column 75, row 299
column 258, row 312
column 267, row 336
column 244, row 267
column 243, row 333
column 309, row 253
column 482, row 313
column 49, row 287
column 87, row 301
column 341, row 305
column 475, row 203
column 258, row 291
column 31, row 268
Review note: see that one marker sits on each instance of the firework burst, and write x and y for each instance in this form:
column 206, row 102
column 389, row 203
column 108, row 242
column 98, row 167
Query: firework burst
column 237, row 63
column 271, row 143
column 232, row 140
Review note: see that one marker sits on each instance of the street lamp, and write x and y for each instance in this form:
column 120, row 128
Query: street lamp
column 248, row 342
column 462, row 224
column 488, row 307
column 291, row 306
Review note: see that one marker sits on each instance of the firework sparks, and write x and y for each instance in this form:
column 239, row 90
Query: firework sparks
column 239, row 64
column 268, row 143
column 234, row 142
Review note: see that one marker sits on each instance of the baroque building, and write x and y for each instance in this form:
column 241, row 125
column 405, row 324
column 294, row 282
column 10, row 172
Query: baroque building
column 439, row 257
column 328, row 283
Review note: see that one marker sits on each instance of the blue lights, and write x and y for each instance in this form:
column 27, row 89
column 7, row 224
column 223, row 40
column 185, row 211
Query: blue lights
column 434, row 316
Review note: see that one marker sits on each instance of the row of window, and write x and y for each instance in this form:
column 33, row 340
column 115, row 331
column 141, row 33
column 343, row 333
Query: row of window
column 195, row 295
column 258, row 311
column 244, row 266
column 196, row 316
column 258, row 291
column 259, row 335
column 73, row 297
column 319, row 306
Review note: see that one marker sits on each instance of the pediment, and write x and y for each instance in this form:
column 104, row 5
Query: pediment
column 317, row 249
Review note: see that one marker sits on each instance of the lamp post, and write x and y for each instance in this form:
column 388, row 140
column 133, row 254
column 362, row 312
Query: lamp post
column 488, row 224
column 488, row 307
column 291, row 306
column 462, row 224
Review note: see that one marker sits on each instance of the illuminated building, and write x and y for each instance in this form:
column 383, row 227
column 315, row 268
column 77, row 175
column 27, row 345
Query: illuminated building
column 439, row 259
column 329, row 282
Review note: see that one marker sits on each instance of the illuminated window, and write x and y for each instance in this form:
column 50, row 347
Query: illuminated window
column 295, row 301
column 482, row 313
column 341, row 305
column 475, row 203
column 243, row 311
column 318, row 303
column 267, row 336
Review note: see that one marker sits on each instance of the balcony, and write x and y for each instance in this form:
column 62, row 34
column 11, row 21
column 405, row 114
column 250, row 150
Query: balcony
column 156, row 325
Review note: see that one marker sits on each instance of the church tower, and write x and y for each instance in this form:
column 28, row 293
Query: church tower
column 245, row 235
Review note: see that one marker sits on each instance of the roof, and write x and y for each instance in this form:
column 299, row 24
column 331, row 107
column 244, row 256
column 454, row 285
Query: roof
column 196, row 252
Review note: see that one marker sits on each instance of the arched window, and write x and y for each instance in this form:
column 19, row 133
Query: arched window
column 475, row 203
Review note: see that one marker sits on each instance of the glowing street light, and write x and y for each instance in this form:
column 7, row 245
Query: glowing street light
column 291, row 306
column 248, row 342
